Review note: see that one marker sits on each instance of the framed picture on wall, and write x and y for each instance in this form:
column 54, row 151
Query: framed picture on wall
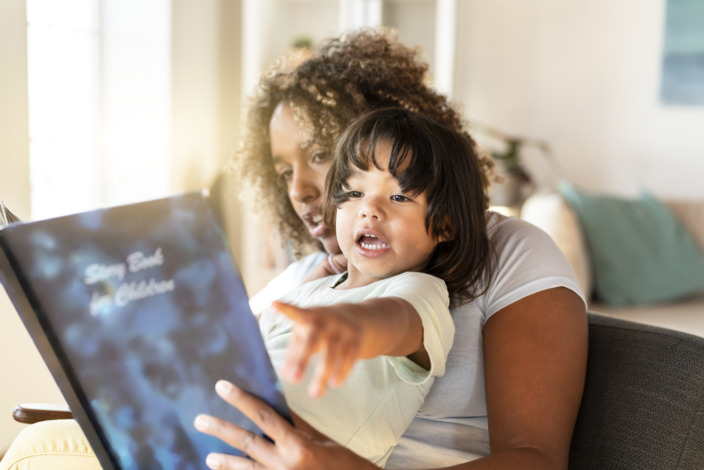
column 682, row 81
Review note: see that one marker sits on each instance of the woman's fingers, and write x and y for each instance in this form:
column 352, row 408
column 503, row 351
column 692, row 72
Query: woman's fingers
column 264, row 416
column 231, row 462
column 291, row 448
column 246, row 441
column 262, row 451
column 340, row 261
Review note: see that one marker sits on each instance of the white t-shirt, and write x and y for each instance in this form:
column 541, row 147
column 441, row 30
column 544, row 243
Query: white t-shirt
column 381, row 396
column 283, row 283
column 451, row 426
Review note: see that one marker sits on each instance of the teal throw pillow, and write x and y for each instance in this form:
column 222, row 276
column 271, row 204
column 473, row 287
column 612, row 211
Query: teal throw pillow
column 639, row 251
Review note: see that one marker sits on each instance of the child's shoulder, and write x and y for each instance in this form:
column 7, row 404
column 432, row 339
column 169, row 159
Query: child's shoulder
column 311, row 290
column 414, row 281
column 415, row 276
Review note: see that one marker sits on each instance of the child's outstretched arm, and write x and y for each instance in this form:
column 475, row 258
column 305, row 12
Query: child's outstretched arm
column 345, row 332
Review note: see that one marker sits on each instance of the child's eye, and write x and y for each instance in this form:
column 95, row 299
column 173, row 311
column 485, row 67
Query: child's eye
column 399, row 198
column 345, row 196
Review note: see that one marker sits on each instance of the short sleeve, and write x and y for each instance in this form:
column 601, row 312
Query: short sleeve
column 529, row 261
column 429, row 297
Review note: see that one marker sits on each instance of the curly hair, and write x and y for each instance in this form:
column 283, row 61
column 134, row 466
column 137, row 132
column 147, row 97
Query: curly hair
column 343, row 78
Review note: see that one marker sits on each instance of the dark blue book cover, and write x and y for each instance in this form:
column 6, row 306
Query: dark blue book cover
column 138, row 310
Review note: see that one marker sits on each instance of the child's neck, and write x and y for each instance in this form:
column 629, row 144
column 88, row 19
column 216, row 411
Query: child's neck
column 355, row 278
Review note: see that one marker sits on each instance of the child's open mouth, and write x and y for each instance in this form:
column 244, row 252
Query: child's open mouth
column 371, row 242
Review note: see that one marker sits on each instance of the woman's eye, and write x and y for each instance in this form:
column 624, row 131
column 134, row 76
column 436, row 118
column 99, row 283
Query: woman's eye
column 286, row 175
column 320, row 157
column 399, row 198
column 354, row 194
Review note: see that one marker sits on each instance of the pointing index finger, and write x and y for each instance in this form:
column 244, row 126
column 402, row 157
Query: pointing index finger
column 294, row 313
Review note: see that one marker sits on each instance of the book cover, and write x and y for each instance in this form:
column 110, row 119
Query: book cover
column 138, row 310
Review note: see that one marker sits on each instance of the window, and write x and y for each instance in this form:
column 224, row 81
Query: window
column 99, row 98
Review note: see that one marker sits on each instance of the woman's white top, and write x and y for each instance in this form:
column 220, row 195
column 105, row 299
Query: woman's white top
column 451, row 426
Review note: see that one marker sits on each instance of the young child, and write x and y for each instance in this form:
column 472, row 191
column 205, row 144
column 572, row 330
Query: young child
column 400, row 189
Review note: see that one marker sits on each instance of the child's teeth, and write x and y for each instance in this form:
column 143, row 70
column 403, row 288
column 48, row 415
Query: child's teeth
column 317, row 218
column 369, row 246
column 372, row 246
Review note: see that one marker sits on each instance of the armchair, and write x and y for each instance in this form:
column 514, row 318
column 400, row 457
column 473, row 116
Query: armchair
column 30, row 413
column 643, row 403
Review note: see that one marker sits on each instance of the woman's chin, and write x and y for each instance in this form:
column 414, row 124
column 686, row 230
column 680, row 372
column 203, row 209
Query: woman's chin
column 330, row 244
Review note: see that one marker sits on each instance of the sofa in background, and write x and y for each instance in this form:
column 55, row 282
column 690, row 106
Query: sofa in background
column 655, row 249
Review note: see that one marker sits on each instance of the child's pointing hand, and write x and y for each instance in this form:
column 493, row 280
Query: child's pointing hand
column 333, row 331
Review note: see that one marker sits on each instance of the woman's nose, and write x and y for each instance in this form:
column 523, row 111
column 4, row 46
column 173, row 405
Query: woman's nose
column 302, row 188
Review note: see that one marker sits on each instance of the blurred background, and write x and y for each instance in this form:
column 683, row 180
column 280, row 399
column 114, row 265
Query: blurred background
column 105, row 102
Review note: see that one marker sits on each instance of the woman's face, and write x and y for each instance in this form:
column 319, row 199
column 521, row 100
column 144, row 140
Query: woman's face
column 303, row 166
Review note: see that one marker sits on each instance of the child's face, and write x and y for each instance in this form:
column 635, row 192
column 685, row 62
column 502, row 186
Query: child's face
column 381, row 229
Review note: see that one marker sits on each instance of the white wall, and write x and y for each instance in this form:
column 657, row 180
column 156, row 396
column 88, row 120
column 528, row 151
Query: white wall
column 583, row 75
column 23, row 375
column 206, row 99
column 206, row 89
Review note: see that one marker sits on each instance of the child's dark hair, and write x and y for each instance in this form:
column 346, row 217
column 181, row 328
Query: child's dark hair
column 425, row 157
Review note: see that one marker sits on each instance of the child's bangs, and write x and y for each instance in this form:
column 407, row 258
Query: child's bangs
column 410, row 158
column 411, row 164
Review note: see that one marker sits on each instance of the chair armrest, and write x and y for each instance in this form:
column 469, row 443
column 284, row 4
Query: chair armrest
column 30, row 413
column 643, row 403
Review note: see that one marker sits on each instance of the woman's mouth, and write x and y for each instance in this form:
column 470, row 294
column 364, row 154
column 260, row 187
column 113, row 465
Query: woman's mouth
column 316, row 226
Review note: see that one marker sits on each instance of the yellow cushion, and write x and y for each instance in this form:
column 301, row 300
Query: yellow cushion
column 56, row 445
column 551, row 213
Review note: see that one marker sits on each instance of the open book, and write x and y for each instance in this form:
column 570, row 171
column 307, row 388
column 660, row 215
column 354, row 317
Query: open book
column 6, row 217
column 138, row 310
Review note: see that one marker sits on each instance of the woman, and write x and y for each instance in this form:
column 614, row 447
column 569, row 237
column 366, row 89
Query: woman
column 515, row 374
column 514, row 377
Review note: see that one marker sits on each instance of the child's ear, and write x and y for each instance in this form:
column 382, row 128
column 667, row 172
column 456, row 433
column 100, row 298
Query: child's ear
column 448, row 231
